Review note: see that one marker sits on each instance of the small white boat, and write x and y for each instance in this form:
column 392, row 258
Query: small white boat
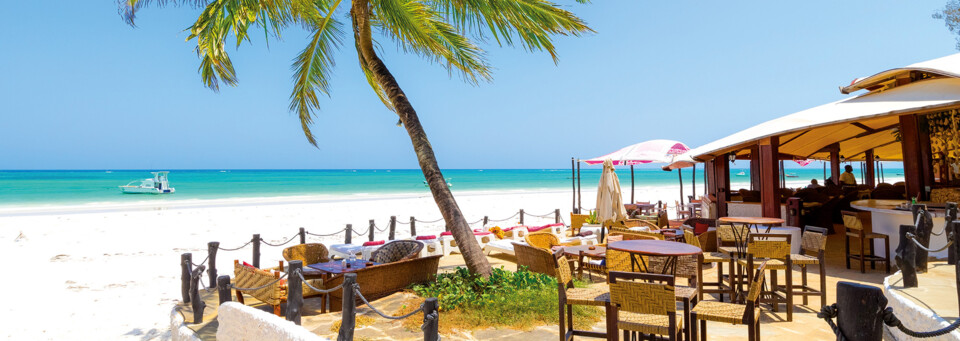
column 157, row 185
column 742, row 173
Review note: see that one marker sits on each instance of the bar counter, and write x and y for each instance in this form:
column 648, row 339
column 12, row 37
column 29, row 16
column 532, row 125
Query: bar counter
column 886, row 219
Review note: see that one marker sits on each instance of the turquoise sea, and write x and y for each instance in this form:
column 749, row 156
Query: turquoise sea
column 43, row 187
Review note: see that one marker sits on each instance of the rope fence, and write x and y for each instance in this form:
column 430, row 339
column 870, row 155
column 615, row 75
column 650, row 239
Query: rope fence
column 356, row 291
column 281, row 244
column 913, row 238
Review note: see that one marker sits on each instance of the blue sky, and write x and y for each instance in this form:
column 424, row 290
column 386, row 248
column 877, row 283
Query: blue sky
column 79, row 89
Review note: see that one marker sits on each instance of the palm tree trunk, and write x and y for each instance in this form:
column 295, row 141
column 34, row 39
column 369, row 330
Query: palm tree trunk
column 472, row 254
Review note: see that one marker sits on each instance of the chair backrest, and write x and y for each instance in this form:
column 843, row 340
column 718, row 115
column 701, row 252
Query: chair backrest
column 562, row 268
column 311, row 253
column 397, row 250
column 814, row 239
column 250, row 277
column 692, row 222
column 543, row 240
column 851, row 220
column 613, row 237
column 577, row 221
column 535, row 259
column 753, row 294
column 691, row 238
column 773, row 246
column 382, row 280
column 725, row 233
column 618, row 261
column 643, row 293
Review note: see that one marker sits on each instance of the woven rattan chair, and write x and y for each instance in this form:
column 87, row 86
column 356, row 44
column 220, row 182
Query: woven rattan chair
column 812, row 252
column 774, row 249
column 535, row 259
column 396, row 251
column 747, row 314
column 717, row 258
column 382, row 280
column 546, row 241
column 708, row 240
column 645, row 304
column 311, row 253
column 729, row 244
column 570, row 296
column 854, row 228
column 577, row 221
column 274, row 295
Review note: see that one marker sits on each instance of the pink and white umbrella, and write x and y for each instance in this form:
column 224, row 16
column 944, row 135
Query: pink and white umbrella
column 653, row 151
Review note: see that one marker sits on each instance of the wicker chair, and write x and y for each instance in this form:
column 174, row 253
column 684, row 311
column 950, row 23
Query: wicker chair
column 774, row 249
column 382, row 280
column 535, row 259
column 747, row 314
column 312, row 253
column 645, row 304
column 577, row 221
column 707, row 239
column 570, row 296
column 396, row 251
column 710, row 258
column 854, row 228
column 274, row 295
column 812, row 252
column 546, row 241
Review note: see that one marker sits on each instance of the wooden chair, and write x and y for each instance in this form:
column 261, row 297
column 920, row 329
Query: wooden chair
column 727, row 243
column 535, row 259
column 854, row 227
column 245, row 276
column 570, row 296
column 382, row 280
column 717, row 258
column 396, row 251
column 812, row 252
column 686, row 267
column 774, row 250
column 747, row 314
column 682, row 212
column 708, row 240
column 311, row 253
column 644, row 303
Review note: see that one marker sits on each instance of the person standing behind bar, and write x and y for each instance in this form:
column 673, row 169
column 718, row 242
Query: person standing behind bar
column 847, row 178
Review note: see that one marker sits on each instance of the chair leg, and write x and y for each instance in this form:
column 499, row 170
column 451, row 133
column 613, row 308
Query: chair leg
column 758, row 329
column 570, row 318
column 823, row 284
column 751, row 332
column 789, row 280
column 803, row 280
column 720, row 281
column 276, row 310
column 703, row 326
column 239, row 297
column 692, row 324
column 873, row 263
column 863, row 265
column 886, row 247
column 773, row 288
column 563, row 328
column 686, row 317
column 846, row 248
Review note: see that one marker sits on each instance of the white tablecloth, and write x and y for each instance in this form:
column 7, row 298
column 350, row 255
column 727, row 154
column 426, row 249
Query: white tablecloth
column 794, row 233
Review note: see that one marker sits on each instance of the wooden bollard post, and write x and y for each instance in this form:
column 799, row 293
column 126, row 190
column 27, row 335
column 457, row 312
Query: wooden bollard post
column 858, row 311
column 521, row 216
column 907, row 257
column 924, row 229
column 956, row 251
column 349, row 237
column 212, row 248
column 256, row 250
column 223, row 289
column 186, row 259
column 413, row 226
column 431, row 328
column 556, row 216
column 303, row 235
column 486, row 219
column 393, row 228
column 373, row 228
column 197, row 303
column 294, row 291
column 951, row 217
column 348, row 316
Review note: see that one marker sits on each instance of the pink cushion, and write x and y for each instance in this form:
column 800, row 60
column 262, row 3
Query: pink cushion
column 477, row 230
column 554, row 225
column 537, row 228
column 374, row 243
column 448, row 233
column 481, row 233
column 700, row 228
column 248, row 265
column 431, row 237
column 514, row 228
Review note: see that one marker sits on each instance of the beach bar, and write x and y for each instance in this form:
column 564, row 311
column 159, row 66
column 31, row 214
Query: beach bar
column 909, row 114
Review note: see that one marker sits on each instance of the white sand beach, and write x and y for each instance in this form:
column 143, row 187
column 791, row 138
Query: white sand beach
column 110, row 271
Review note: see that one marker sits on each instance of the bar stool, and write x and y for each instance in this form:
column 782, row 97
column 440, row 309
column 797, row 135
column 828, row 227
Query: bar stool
column 854, row 228
column 774, row 251
column 812, row 250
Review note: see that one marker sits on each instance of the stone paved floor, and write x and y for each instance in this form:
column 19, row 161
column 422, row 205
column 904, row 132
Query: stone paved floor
column 804, row 327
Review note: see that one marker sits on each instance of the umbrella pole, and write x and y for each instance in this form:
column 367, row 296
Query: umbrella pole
column 693, row 178
column 680, row 174
column 631, row 185
column 573, row 182
column 579, row 203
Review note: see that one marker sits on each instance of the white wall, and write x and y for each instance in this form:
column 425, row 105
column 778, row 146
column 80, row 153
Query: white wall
column 912, row 315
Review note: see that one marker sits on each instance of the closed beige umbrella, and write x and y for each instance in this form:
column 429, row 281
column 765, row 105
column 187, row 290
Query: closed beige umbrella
column 609, row 202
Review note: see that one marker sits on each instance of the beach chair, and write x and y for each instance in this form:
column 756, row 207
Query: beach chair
column 368, row 248
column 345, row 251
column 396, row 251
column 645, row 304
column 450, row 246
column 516, row 232
column 747, row 314
column 247, row 276
column 501, row 245
column 431, row 245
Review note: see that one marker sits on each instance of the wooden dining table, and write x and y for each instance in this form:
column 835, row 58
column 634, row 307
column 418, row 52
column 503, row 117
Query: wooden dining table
column 327, row 270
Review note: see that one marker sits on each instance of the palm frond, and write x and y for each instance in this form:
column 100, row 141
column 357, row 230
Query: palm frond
column 312, row 70
column 418, row 27
column 128, row 8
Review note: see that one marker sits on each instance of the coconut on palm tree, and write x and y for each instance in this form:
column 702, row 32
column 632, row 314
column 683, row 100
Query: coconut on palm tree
column 440, row 30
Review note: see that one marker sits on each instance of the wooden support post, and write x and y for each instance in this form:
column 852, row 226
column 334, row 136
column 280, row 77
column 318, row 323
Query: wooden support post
column 223, row 288
column 693, row 179
column 956, row 251
column 212, row 248
column 858, row 311
column 373, row 229
column 680, row 177
column 579, row 196
column 303, row 235
column 924, row 229
column 348, row 317
column 870, row 173
column 556, row 216
column 912, row 165
column 573, row 182
column 834, row 150
column 185, row 260
column 393, row 228
column 754, row 168
column 794, row 212
column 196, row 302
column 906, row 257
column 413, row 226
column 294, row 291
column 349, row 237
column 521, row 216
column 431, row 319
column 769, row 174
column 256, row 250
column 486, row 219
column 632, row 200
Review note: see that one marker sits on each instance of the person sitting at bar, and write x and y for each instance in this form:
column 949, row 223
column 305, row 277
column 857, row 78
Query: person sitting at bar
column 813, row 184
column 847, row 178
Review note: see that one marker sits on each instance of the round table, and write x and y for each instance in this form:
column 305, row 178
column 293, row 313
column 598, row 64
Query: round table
column 656, row 248
column 749, row 222
column 794, row 232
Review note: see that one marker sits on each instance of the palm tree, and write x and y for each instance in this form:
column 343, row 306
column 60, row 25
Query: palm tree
column 435, row 29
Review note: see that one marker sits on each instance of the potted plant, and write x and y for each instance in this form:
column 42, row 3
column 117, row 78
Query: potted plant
column 592, row 223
